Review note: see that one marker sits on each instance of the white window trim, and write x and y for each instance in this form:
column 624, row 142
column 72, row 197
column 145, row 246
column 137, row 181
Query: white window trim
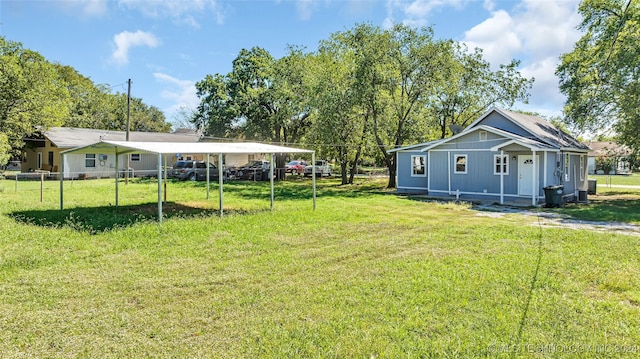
column 567, row 169
column 482, row 136
column 504, row 165
column 87, row 158
column 581, row 167
column 424, row 166
column 455, row 164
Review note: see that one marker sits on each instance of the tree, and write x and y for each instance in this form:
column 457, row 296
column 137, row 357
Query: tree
column 31, row 95
column 471, row 87
column 600, row 77
column 259, row 99
column 338, row 128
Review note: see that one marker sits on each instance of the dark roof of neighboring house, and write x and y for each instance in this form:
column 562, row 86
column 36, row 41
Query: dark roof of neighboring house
column 538, row 127
column 70, row 137
column 607, row 148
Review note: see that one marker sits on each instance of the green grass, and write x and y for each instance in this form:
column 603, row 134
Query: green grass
column 368, row 274
column 625, row 180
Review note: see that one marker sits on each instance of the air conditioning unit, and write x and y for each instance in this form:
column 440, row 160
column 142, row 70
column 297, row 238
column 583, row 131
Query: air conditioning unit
column 102, row 157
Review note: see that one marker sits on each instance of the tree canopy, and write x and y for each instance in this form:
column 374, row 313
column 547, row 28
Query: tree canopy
column 365, row 91
column 36, row 94
column 600, row 77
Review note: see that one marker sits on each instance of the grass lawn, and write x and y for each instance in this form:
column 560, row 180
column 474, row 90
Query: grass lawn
column 368, row 274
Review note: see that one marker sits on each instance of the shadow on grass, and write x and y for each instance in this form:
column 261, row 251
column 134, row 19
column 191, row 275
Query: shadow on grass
column 301, row 189
column 101, row 219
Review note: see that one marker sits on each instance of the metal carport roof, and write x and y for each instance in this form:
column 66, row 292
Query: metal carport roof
column 164, row 148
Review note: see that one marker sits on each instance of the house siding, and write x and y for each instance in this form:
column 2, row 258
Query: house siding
column 496, row 120
column 406, row 182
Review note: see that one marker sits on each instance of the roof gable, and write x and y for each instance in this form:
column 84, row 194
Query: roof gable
column 534, row 127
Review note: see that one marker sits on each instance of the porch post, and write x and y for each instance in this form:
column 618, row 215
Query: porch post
column 544, row 168
column 61, row 182
column 502, row 166
column 534, row 193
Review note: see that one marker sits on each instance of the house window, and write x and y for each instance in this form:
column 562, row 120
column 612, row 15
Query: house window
column 581, row 167
column 500, row 164
column 483, row 135
column 135, row 157
column 50, row 158
column 90, row 160
column 566, row 168
column 418, row 166
column 461, row 164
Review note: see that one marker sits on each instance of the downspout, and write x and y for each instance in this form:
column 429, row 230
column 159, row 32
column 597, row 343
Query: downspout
column 428, row 171
column 449, row 169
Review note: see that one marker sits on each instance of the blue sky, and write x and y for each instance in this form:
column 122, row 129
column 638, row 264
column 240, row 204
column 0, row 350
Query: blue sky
column 165, row 47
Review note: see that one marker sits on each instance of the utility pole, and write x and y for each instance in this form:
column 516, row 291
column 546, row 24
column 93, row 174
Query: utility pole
column 126, row 175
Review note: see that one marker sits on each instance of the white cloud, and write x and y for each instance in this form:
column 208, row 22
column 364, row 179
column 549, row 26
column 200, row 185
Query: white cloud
column 86, row 8
column 305, row 8
column 181, row 94
column 496, row 37
column 126, row 40
column 182, row 12
column 537, row 32
column 416, row 12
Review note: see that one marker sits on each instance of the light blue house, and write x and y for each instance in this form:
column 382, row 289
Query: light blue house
column 502, row 156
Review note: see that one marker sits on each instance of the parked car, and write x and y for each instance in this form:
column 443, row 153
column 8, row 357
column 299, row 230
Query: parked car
column 295, row 167
column 194, row 171
column 254, row 170
column 323, row 168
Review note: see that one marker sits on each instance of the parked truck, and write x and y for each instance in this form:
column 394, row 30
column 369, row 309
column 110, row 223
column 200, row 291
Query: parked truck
column 323, row 168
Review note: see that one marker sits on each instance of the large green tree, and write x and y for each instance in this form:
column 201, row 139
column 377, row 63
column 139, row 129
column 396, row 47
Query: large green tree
column 471, row 87
column 260, row 99
column 601, row 75
column 31, row 95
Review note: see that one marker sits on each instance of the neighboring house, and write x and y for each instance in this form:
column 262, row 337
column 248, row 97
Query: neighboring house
column 501, row 156
column 610, row 151
column 43, row 152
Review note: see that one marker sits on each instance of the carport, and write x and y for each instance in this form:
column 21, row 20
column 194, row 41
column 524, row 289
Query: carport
column 162, row 149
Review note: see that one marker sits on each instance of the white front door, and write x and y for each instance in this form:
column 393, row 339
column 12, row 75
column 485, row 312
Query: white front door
column 525, row 175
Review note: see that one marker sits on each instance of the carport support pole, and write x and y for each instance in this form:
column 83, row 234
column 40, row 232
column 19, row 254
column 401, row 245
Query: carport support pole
column 313, row 176
column 271, row 165
column 61, row 182
column 207, row 166
column 159, row 188
column 164, row 174
column 220, row 179
column 117, row 175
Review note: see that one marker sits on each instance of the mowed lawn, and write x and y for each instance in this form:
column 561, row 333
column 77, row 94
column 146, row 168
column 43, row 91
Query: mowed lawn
column 367, row 274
